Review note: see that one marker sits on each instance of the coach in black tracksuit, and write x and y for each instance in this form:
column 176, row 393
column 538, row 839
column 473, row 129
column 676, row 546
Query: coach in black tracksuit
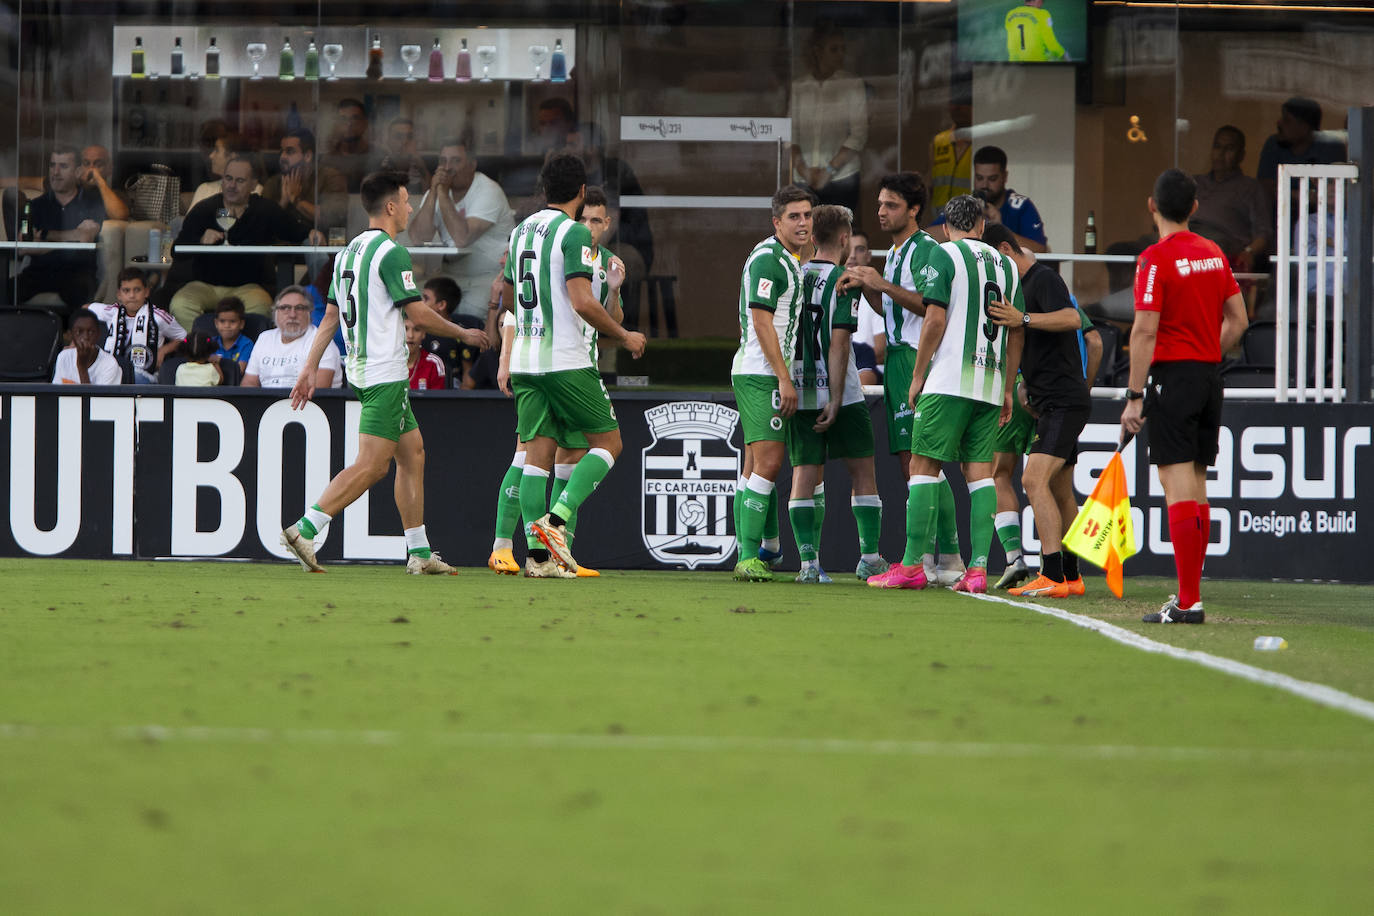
column 1057, row 395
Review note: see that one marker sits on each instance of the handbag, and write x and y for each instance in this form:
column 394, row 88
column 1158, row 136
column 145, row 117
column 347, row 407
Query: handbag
column 155, row 195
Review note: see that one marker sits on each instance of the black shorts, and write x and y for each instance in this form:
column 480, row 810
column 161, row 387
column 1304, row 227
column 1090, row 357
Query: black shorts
column 864, row 357
column 1183, row 412
column 1057, row 431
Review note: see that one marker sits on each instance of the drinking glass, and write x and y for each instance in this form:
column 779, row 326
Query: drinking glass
column 338, row 237
column 257, row 50
column 225, row 219
column 410, row 54
column 486, row 56
column 333, row 54
column 538, row 54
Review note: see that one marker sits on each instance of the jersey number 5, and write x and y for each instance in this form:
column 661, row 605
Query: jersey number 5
column 350, row 310
column 526, row 294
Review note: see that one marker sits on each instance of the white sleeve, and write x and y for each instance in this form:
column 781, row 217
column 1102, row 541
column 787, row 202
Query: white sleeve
column 106, row 371
column 485, row 201
column 255, row 359
column 330, row 360
column 60, row 370
column 168, row 326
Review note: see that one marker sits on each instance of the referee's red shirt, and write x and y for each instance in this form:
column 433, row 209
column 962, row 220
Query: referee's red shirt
column 1187, row 279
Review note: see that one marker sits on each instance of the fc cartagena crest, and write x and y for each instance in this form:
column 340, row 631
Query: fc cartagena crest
column 690, row 471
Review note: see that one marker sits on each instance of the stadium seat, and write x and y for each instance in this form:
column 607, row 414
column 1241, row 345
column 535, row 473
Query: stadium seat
column 253, row 325
column 1111, row 353
column 1240, row 375
column 29, row 341
column 1257, row 344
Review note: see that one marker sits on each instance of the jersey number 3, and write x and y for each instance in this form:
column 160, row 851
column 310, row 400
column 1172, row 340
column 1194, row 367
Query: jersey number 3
column 350, row 311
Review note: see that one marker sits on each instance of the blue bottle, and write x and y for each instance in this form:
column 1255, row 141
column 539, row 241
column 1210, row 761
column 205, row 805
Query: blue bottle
column 558, row 65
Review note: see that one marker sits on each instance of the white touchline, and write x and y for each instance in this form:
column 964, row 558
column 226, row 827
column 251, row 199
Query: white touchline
column 855, row 747
column 1317, row 693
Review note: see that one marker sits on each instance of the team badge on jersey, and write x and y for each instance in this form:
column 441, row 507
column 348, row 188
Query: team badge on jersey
column 588, row 256
column 408, row 279
column 765, row 288
column 689, row 475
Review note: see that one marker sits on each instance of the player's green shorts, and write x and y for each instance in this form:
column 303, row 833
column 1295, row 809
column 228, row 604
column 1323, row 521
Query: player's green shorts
column 386, row 410
column 850, row 436
column 950, row 428
column 759, row 401
column 897, row 372
column 1015, row 438
column 560, row 405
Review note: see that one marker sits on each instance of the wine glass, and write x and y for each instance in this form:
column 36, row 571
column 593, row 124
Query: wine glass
column 332, row 55
column 538, row 54
column 226, row 219
column 410, row 54
column 486, row 56
column 257, row 50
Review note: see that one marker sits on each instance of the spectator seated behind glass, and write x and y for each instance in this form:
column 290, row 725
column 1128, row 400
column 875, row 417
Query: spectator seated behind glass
column 256, row 221
column 98, row 175
column 65, row 212
column 140, row 336
column 350, row 149
column 399, row 154
column 230, row 341
column 829, row 109
column 457, row 356
column 314, row 197
column 427, row 371
column 628, row 235
column 201, row 369
column 218, row 143
column 467, row 210
column 279, row 352
column 1001, row 203
column 1232, row 209
column 84, row 362
column 1298, row 139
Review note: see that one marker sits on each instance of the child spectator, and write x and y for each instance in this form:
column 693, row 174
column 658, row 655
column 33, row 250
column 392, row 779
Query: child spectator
column 426, row 369
column 200, row 369
column 231, row 343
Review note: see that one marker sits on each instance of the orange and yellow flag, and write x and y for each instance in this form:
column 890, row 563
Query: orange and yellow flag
column 1103, row 533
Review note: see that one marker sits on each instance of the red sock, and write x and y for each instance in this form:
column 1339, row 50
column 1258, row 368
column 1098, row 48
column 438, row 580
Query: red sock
column 1204, row 512
column 1187, row 538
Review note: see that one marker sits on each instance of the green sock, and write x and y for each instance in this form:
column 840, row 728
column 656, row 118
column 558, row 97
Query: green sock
column 1009, row 533
column 559, row 485
column 982, row 505
column 921, row 499
column 946, row 522
column 868, row 518
column 534, row 504
column 508, row 502
column 311, row 522
column 770, row 522
column 738, row 501
column 819, row 498
column 753, row 516
column 803, row 514
column 588, row 472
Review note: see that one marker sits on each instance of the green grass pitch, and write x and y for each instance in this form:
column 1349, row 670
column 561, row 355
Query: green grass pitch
column 233, row 738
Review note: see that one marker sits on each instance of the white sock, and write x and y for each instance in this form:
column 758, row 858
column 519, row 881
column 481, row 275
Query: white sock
column 416, row 539
column 868, row 557
column 502, row 544
column 317, row 518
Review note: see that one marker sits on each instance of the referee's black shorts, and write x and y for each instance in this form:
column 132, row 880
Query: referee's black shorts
column 1183, row 412
column 1057, row 430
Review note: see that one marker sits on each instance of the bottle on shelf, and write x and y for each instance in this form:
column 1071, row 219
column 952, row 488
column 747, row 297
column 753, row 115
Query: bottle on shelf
column 154, row 245
column 287, row 70
column 463, row 73
column 558, row 64
column 178, row 59
column 436, row 62
column 25, row 232
column 1090, row 234
column 374, row 59
column 312, row 60
column 138, row 68
column 212, row 61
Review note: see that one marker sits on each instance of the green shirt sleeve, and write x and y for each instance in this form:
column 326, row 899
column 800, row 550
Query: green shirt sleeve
column 579, row 254
column 845, row 312
column 767, row 280
column 399, row 276
column 937, row 278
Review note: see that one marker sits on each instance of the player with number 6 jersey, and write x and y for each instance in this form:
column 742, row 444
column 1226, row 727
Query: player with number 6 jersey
column 374, row 292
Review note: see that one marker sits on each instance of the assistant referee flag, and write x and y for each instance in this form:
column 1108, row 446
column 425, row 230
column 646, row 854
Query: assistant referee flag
column 1103, row 533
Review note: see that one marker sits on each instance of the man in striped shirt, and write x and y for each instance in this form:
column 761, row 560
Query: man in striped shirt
column 965, row 395
column 375, row 282
column 548, row 276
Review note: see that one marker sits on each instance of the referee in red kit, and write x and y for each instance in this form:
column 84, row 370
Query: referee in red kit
column 1188, row 312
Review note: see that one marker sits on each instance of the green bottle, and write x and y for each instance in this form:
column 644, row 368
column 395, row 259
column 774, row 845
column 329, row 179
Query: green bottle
column 288, row 61
column 137, row 66
column 312, row 61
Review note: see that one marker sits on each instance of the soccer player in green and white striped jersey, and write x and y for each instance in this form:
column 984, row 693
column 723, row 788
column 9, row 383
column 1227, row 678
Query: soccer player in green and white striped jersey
column 967, row 392
column 769, row 297
column 608, row 275
column 832, row 419
column 895, row 295
column 549, row 270
column 375, row 282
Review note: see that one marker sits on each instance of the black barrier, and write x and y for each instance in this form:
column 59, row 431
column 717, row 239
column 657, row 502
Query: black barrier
column 156, row 472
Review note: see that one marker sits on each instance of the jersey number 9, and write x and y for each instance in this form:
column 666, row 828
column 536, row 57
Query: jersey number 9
column 992, row 295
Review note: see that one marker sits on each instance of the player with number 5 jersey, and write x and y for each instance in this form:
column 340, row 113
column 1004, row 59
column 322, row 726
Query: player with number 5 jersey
column 374, row 291
column 549, row 272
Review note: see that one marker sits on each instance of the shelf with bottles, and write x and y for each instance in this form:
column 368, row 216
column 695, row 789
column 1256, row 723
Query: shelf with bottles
column 404, row 53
